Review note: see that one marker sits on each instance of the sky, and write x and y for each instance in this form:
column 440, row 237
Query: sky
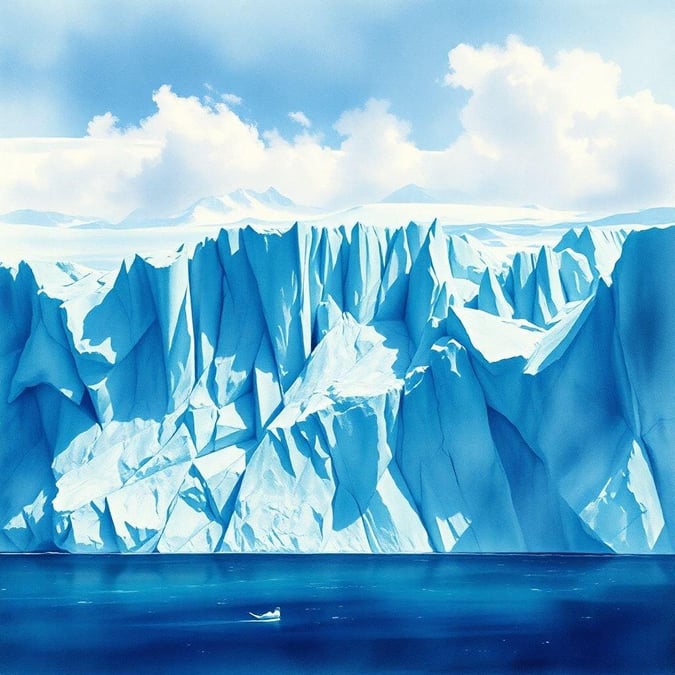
column 109, row 107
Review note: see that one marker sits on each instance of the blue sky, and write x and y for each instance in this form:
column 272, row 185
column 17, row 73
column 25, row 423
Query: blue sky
column 62, row 64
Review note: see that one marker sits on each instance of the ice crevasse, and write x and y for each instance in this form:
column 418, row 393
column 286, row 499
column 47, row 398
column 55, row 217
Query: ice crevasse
column 362, row 389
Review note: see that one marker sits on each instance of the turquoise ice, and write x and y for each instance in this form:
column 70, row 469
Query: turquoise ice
column 343, row 389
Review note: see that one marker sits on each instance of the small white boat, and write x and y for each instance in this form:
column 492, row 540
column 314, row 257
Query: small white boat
column 272, row 615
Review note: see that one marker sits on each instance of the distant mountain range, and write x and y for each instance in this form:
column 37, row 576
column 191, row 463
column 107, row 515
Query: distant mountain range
column 50, row 219
column 410, row 202
column 662, row 215
column 235, row 207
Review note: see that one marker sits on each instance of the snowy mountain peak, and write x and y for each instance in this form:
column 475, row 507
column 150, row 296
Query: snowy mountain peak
column 234, row 207
column 272, row 196
column 269, row 197
column 212, row 203
column 408, row 194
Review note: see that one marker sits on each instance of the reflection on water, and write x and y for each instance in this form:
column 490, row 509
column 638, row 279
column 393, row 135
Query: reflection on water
column 340, row 613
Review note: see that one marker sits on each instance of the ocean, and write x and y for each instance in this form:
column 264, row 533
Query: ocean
column 62, row 613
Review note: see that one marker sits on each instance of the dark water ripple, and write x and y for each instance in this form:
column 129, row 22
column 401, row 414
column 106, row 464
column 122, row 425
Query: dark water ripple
column 340, row 613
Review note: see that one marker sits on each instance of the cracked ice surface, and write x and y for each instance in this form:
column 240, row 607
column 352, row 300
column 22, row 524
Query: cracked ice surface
column 333, row 389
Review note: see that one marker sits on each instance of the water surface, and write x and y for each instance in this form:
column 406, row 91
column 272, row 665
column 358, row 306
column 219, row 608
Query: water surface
column 340, row 613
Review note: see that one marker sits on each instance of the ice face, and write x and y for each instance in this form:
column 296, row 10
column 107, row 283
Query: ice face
column 334, row 389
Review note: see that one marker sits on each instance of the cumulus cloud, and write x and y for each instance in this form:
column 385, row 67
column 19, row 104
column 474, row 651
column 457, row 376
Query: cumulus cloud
column 560, row 134
column 194, row 147
column 300, row 118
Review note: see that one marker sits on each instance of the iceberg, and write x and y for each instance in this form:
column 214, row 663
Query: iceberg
column 331, row 389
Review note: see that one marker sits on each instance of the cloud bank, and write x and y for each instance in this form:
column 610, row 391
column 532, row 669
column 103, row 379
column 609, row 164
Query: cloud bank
column 560, row 134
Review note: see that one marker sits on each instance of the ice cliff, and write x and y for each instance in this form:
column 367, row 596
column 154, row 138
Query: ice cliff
column 342, row 389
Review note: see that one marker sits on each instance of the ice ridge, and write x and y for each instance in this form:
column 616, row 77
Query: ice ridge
column 336, row 389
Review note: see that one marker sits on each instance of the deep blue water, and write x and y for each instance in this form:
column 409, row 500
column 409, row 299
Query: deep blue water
column 465, row 614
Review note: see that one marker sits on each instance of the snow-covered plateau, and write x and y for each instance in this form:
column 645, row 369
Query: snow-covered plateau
column 322, row 388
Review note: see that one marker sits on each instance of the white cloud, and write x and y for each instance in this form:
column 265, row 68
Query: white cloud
column 231, row 99
column 558, row 134
column 190, row 148
column 300, row 118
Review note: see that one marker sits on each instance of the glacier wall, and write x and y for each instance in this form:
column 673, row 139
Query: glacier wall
column 343, row 389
